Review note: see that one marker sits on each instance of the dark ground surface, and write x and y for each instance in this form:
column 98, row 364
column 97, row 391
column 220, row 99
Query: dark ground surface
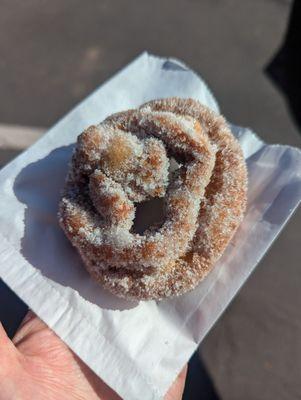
column 52, row 54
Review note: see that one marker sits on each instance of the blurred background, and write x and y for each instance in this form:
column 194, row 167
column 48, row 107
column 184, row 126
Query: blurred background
column 54, row 53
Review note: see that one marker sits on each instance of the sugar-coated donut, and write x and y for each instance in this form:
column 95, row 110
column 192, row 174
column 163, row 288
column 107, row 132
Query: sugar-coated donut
column 126, row 160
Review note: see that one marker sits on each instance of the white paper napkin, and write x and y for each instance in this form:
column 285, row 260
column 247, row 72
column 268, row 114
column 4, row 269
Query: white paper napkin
column 136, row 348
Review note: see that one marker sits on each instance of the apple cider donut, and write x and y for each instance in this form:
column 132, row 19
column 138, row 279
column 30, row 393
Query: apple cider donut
column 124, row 161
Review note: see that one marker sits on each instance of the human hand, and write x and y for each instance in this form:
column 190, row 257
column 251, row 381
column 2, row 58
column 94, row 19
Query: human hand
column 38, row 365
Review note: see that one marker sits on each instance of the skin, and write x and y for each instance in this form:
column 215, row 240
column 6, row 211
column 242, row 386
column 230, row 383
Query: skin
column 36, row 364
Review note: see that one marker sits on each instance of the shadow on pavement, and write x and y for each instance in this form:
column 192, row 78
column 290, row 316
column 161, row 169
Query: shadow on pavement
column 12, row 309
column 198, row 385
column 284, row 69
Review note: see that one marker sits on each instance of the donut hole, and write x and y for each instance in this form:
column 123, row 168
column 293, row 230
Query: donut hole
column 149, row 213
column 174, row 165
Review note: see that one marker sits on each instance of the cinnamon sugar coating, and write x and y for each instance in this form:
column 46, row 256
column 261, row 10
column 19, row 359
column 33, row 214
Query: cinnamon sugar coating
column 124, row 161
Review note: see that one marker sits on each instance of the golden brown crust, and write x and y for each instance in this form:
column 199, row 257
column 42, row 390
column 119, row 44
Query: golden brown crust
column 220, row 210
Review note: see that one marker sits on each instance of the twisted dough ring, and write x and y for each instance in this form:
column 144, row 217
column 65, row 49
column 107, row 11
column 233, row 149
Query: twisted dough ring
column 122, row 161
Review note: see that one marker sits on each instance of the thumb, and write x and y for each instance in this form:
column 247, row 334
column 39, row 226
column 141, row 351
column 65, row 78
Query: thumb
column 175, row 392
column 4, row 339
column 7, row 350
